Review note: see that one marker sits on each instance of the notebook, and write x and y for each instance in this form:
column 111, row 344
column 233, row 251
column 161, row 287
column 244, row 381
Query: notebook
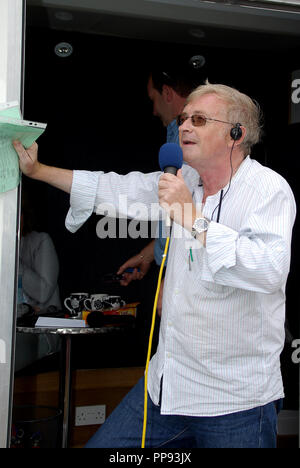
column 13, row 127
column 53, row 322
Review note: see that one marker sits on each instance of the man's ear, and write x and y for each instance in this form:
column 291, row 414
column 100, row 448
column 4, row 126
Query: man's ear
column 167, row 93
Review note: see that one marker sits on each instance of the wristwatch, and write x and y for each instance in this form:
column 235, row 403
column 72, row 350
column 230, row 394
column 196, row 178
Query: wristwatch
column 200, row 225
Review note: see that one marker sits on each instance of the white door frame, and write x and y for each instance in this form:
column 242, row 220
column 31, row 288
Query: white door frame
column 12, row 34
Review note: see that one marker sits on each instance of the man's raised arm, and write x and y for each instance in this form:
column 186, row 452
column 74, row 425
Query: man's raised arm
column 31, row 167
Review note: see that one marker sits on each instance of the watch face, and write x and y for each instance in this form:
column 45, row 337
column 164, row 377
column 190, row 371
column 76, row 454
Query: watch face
column 200, row 225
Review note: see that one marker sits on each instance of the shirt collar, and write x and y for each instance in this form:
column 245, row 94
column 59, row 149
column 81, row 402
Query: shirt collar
column 172, row 132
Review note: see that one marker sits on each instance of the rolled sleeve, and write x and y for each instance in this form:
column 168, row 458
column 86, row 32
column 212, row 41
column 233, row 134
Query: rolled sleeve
column 82, row 199
column 220, row 247
column 257, row 257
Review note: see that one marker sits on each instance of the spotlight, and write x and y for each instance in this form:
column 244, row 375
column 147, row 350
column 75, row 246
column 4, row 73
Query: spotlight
column 63, row 49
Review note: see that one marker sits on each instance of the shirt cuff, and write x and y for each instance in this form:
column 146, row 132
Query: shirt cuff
column 220, row 247
column 82, row 199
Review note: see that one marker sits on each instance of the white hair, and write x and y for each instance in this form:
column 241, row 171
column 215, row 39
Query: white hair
column 241, row 109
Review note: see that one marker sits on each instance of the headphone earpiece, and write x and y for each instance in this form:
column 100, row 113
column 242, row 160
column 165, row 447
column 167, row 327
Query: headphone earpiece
column 236, row 132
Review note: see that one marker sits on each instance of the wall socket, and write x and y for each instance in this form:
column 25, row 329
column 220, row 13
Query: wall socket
column 88, row 415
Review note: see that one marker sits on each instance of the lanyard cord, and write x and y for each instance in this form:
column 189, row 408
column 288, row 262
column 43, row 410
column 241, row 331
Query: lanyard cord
column 218, row 207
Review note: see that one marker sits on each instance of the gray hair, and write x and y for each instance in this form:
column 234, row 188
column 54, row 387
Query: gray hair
column 241, row 109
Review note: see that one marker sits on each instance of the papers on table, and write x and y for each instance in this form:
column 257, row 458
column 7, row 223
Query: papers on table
column 55, row 322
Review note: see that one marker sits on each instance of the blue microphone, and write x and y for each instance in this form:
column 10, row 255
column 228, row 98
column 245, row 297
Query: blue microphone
column 170, row 158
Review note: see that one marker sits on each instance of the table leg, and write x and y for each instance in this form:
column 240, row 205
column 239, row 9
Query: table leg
column 66, row 390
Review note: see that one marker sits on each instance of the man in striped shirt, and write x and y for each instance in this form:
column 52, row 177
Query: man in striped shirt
column 215, row 380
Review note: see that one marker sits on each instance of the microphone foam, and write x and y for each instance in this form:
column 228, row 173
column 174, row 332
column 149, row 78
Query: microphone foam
column 170, row 155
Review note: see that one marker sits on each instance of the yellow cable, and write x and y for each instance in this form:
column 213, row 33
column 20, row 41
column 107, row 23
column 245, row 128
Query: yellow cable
column 150, row 341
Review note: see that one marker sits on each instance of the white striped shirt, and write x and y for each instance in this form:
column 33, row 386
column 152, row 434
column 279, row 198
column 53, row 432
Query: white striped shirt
column 222, row 325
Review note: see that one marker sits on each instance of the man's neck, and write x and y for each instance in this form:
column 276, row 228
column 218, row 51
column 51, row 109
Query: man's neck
column 217, row 177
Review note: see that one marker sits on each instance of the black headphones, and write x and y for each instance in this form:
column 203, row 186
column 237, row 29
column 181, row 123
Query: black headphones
column 236, row 132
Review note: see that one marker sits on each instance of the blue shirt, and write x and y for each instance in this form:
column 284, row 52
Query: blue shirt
column 160, row 242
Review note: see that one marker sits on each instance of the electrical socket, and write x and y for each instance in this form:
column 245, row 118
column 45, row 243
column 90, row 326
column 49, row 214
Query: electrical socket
column 89, row 415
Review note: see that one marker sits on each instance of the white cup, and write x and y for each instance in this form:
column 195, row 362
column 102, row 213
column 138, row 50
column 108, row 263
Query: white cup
column 95, row 302
column 74, row 303
column 113, row 302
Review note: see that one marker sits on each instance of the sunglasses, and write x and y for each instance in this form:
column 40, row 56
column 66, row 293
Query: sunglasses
column 198, row 120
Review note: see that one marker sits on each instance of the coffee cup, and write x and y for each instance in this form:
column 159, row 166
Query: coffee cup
column 95, row 302
column 113, row 302
column 75, row 303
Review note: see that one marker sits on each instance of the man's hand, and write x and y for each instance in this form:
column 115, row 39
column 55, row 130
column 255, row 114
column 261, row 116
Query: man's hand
column 176, row 199
column 140, row 269
column 142, row 261
column 28, row 158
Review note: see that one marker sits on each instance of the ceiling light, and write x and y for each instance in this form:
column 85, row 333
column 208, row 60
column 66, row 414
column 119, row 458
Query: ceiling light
column 63, row 49
column 64, row 15
column 197, row 61
column 198, row 33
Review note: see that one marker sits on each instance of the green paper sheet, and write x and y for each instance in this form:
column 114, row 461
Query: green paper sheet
column 13, row 128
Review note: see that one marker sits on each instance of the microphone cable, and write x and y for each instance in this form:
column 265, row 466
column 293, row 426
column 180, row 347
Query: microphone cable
column 150, row 342
column 170, row 160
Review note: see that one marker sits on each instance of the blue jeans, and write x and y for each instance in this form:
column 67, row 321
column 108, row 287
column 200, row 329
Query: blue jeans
column 255, row 428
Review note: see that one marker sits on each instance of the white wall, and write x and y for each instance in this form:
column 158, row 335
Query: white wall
column 11, row 37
